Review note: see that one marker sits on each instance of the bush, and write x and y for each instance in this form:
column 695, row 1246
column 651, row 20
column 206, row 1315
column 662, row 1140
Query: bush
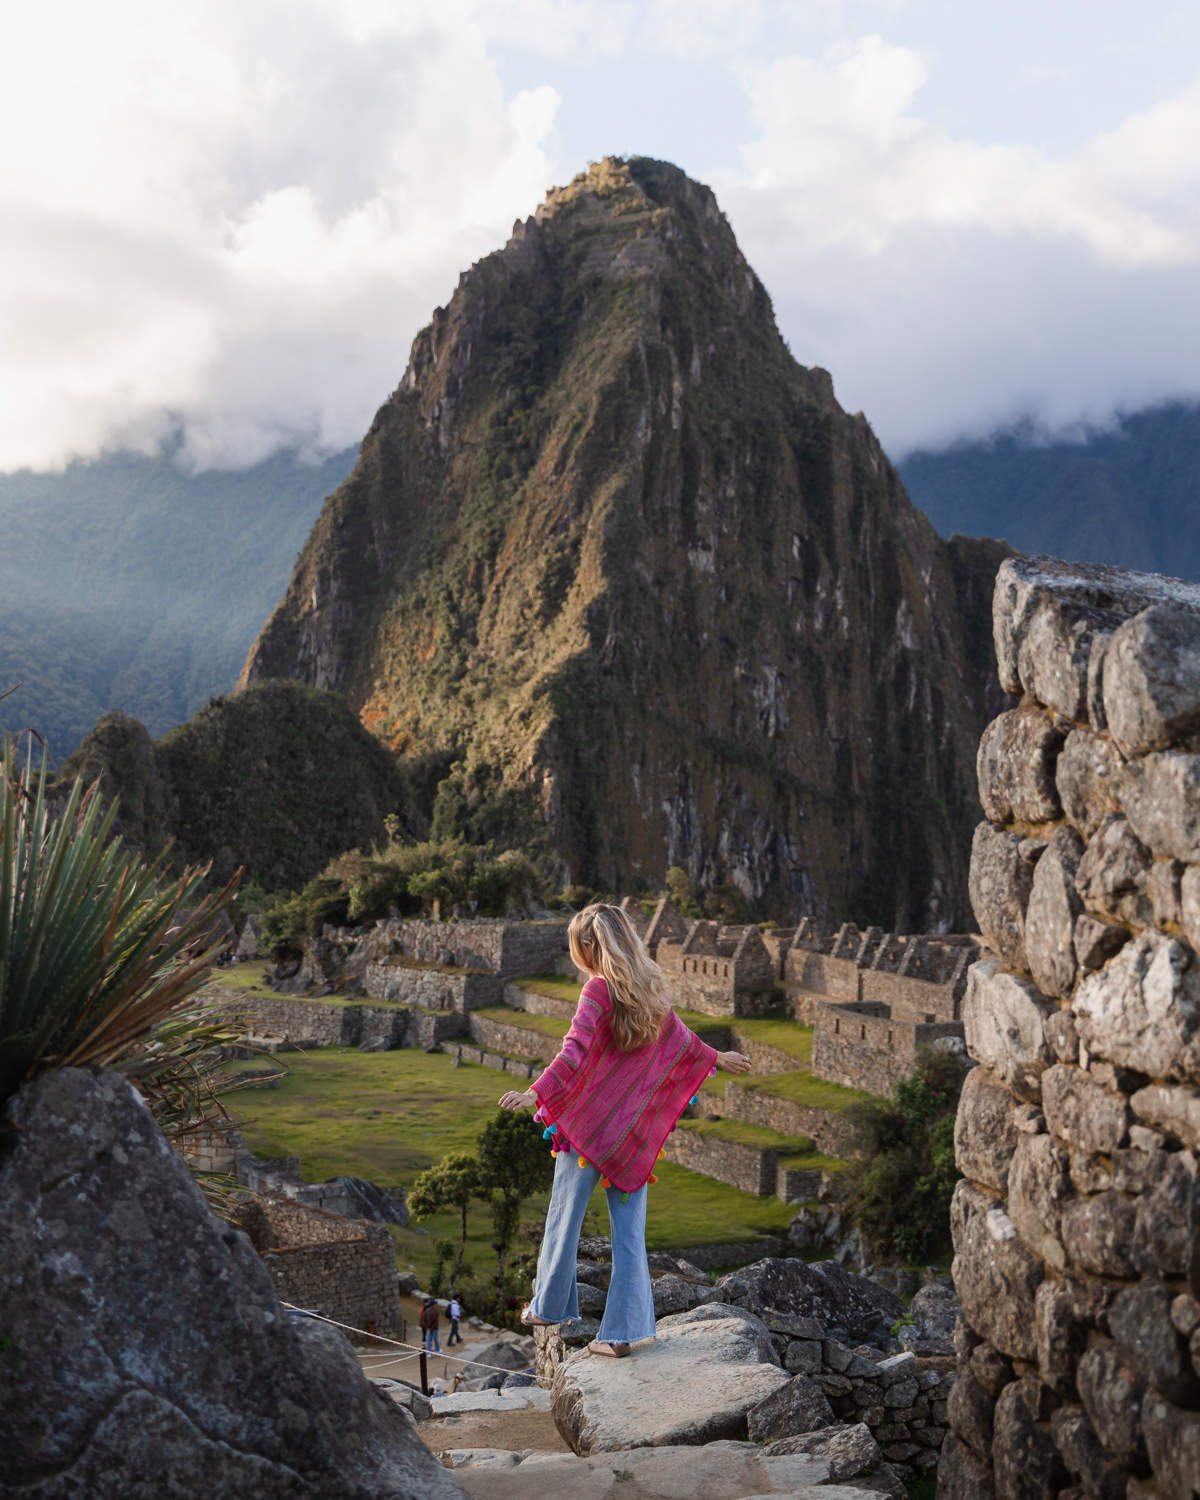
column 357, row 889
column 898, row 1190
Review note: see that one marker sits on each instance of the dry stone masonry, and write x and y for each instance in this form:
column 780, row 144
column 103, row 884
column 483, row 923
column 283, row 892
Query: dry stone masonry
column 1075, row 1227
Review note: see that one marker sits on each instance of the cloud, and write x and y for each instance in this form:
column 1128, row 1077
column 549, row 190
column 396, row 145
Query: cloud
column 231, row 218
column 950, row 283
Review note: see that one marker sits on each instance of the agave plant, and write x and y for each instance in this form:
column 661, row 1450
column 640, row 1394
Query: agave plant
column 178, row 1071
column 90, row 935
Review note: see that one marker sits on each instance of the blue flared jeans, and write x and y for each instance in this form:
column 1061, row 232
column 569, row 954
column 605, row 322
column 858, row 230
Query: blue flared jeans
column 629, row 1311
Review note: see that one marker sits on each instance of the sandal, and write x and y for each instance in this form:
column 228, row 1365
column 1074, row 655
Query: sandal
column 531, row 1320
column 613, row 1351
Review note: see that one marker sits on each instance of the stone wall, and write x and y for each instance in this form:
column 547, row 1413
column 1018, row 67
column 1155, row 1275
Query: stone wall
column 826, row 1129
column 750, row 1168
column 433, row 987
column 318, row 1023
column 495, row 1036
column 867, row 1047
column 538, row 1005
column 506, row 948
column 488, row 1059
column 1075, row 1227
column 351, row 1281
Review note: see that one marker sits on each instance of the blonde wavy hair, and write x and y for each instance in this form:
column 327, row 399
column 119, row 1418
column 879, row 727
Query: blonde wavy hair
column 604, row 940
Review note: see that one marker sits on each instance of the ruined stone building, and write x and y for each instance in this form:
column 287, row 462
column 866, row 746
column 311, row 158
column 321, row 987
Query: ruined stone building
column 1076, row 1224
column 893, row 996
column 342, row 1268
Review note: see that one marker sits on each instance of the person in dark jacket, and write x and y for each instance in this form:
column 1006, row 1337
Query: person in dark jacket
column 431, row 1317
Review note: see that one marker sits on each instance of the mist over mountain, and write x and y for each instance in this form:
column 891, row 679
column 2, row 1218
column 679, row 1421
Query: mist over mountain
column 1128, row 495
column 126, row 583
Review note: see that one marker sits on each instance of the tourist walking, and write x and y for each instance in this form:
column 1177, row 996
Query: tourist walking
column 627, row 1070
column 454, row 1312
column 431, row 1317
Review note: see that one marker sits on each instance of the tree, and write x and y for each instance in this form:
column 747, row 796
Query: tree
column 679, row 883
column 451, row 1184
column 514, row 1164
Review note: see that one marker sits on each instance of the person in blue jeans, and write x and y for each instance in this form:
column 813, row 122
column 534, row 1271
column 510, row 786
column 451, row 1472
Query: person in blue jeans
column 431, row 1317
column 454, row 1313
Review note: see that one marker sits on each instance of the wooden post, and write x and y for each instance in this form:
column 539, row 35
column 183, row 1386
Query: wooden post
column 424, row 1374
column 370, row 1333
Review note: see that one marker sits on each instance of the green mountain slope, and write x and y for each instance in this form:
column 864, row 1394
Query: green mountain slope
column 628, row 574
column 278, row 780
column 125, row 583
column 1128, row 496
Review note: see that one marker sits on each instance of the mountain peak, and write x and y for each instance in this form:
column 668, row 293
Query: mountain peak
column 621, row 580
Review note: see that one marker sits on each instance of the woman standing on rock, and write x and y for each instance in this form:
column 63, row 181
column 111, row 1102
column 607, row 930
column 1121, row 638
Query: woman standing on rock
column 626, row 1071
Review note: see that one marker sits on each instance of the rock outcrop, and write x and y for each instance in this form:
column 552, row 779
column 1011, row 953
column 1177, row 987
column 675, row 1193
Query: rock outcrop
column 856, row 1307
column 695, row 1383
column 1075, row 1227
column 145, row 1352
column 623, row 581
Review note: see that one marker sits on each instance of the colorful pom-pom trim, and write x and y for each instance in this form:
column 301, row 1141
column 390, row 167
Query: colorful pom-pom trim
column 695, row 1099
column 652, row 1179
column 662, row 1153
column 624, row 1197
column 553, row 1152
column 604, row 1182
column 583, row 1161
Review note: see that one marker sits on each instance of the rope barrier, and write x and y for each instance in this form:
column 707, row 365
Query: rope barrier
column 383, row 1339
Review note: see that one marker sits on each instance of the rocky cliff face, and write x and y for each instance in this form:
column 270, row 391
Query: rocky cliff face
column 629, row 578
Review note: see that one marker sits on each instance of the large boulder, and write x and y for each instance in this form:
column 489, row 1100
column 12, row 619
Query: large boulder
column 147, row 1353
column 694, row 1383
column 824, row 1290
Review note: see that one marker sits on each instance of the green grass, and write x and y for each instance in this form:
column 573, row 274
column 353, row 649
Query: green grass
column 388, row 1115
column 787, row 1036
column 697, row 1021
column 247, row 976
column 758, row 1136
column 791, row 1151
column 802, row 1088
column 544, row 1025
column 554, row 986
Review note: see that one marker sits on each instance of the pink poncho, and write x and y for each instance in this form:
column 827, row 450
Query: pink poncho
column 617, row 1108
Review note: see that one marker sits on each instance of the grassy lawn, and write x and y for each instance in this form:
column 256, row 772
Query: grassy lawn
column 802, row 1088
column 247, row 976
column 748, row 1135
column 555, row 986
column 788, row 1036
column 792, row 1151
column 506, row 1016
column 389, row 1115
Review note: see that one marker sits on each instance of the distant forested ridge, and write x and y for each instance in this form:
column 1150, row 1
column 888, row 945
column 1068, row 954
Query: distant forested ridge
column 1129, row 495
column 126, row 583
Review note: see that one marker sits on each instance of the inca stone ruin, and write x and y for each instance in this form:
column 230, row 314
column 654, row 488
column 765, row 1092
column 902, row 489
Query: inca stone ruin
column 1075, row 1227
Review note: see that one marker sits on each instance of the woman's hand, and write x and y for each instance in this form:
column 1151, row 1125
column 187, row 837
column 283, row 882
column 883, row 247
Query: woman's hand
column 513, row 1100
column 733, row 1062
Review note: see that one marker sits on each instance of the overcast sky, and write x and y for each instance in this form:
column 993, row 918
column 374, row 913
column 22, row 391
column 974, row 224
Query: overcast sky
column 227, row 219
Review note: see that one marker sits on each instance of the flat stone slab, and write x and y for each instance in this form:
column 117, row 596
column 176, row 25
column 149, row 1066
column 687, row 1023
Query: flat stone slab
column 714, row 1471
column 523, row 1398
column 692, row 1384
